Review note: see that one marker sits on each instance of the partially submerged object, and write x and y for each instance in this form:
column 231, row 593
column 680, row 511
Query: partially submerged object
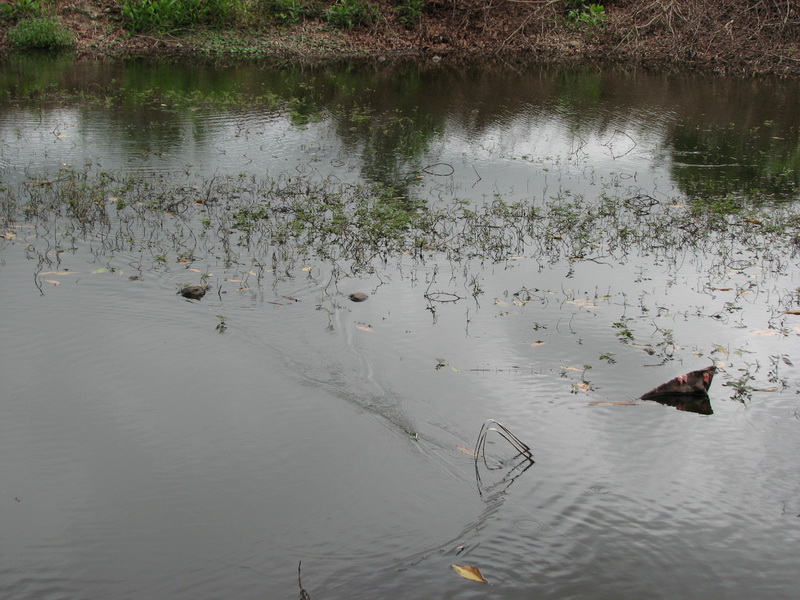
column 689, row 392
column 193, row 292
column 358, row 296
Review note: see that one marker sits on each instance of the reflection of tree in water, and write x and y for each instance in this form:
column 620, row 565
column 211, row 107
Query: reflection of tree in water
column 392, row 145
column 718, row 161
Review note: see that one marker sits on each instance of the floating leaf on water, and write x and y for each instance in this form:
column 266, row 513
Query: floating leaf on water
column 195, row 270
column 572, row 369
column 307, row 268
column 612, row 403
column 722, row 289
column 100, row 270
column 720, row 349
column 501, row 302
column 364, row 328
column 9, row 235
column 791, row 312
column 765, row 332
column 235, row 280
column 582, row 387
column 767, row 389
column 470, row 572
column 291, row 299
column 538, row 343
column 465, row 450
column 56, row 272
column 455, row 369
column 53, row 281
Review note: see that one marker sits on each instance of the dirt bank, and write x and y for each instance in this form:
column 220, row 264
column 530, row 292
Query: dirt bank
column 742, row 37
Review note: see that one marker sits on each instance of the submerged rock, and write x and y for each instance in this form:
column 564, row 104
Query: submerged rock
column 358, row 296
column 195, row 292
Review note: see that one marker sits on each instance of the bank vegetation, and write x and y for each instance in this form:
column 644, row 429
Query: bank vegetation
column 726, row 36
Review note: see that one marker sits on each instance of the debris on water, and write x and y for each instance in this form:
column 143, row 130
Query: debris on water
column 688, row 393
column 695, row 382
column 358, row 296
column 193, row 292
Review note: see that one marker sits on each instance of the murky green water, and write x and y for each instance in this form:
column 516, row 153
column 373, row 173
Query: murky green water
column 539, row 247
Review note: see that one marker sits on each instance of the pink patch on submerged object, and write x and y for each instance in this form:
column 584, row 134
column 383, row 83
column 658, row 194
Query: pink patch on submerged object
column 695, row 382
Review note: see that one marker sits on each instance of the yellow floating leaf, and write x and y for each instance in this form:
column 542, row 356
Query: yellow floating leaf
column 100, row 270
column 53, row 281
column 9, row 235
column 55, row 272
column 538, row 343
column 307, row 268
column 465, row 450
column 613, row 403
column 235, row 280
column 572, row 369
column 364, row 328
column 470, row 572
column 500, row 302
column 765, row 332
column 195, row 270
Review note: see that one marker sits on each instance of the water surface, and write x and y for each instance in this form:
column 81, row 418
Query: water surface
column 158, row 447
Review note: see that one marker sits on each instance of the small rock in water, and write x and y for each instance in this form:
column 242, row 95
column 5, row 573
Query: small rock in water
column 358, row 296
column 195, row 292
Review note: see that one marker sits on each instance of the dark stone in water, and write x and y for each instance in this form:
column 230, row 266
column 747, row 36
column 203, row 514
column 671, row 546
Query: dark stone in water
column 358, row 296
column 195, row 292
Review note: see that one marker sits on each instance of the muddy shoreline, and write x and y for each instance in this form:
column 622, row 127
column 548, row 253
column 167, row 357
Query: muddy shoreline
column 743, row 37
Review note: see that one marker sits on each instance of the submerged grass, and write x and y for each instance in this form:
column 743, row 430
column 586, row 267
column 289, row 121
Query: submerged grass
column 363, row 223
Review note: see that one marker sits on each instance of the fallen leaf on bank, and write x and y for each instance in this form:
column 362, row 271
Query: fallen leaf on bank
column 53, row 281
column 469, row 572
column 753, row 221
column 364, row 328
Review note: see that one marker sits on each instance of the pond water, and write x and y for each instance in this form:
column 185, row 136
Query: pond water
column 538, row 246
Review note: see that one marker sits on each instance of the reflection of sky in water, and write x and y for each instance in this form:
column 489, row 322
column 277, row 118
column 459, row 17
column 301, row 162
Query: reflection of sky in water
column 521, row 156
